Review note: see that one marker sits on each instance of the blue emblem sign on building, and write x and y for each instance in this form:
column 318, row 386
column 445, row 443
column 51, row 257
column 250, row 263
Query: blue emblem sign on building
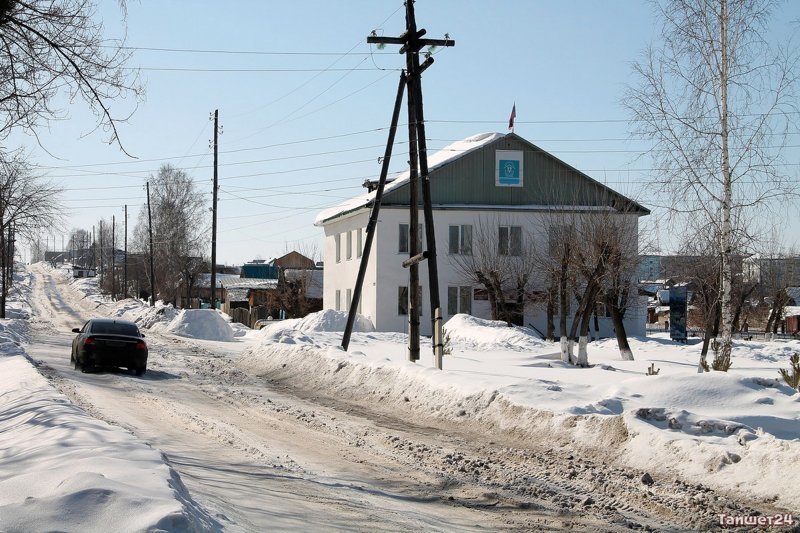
column 508, row 168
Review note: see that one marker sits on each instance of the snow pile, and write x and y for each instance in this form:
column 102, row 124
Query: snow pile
column 737, row 430
column 323, row 321
column 330, row 320
column 146, row 316
column 66, row 471
column 13, row 332
column 206, row 324
column 239, row 330
column 18, row 296
column 469, row 331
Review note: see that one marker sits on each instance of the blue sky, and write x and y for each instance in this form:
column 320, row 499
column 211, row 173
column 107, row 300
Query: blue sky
column 296, row 142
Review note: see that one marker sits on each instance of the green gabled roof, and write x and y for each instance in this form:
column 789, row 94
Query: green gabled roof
column 463, row 174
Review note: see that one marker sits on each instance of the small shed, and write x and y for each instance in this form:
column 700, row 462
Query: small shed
column 791, row 317
column 84, row 272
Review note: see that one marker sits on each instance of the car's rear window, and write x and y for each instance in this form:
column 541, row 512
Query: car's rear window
column 115, row 328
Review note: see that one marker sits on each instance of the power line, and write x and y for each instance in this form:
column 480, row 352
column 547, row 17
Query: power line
column 256, row 70
column 254, row 148
column 232, row 52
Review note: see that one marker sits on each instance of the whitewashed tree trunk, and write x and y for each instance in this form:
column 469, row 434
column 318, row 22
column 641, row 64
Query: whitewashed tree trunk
column 626, row 354
column 583, row 354
column 565, row 356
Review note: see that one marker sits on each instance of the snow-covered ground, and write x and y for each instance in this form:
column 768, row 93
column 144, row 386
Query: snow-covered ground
column 738, row 432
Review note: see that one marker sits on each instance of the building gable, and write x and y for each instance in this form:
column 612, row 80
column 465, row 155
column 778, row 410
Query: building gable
column 537, row 179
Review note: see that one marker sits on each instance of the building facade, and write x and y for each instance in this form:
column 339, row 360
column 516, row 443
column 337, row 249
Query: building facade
column 490, row 190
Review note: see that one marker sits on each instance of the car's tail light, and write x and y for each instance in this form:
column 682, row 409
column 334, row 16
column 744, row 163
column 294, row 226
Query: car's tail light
column 88, row 341
column 141, row 345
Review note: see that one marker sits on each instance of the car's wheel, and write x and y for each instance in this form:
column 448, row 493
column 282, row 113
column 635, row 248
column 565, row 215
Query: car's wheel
column 140, row 371
column 75, row 363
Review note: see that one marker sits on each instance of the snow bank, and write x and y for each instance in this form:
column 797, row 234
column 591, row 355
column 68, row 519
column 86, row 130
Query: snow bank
column 206, row 324
column 326, row 320
column 738, row 430
column 63, row 470
column 469, row 331
column 156, row 317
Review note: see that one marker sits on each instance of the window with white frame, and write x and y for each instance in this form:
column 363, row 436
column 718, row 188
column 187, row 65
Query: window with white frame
column 509, row 240
column 459, row 300
column 403, row 301
column 338, row 300
column 349, row 299
column 404, row 238
column 359, row 242
column 337, row 243
column 460, row 240
column 349, row 245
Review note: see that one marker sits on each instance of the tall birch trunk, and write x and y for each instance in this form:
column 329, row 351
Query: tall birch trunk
column 725, row 234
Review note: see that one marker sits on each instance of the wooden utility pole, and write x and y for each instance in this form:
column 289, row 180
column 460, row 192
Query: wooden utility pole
column 214, row 218
column 113, row 258
column 412, row 43
column 150, row 231
column 373, row 217
column 125, row 267
column 102, row 264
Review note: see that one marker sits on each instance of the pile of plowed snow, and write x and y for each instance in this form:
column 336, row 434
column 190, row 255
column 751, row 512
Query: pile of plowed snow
column 206, row 324
column 323, row 321
column 470, row 331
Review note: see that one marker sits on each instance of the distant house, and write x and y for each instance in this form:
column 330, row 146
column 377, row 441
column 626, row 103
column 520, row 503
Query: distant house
column 83, row 272
column 259, row 269
column 294, row 261
column 201, row 291
column 499, row 182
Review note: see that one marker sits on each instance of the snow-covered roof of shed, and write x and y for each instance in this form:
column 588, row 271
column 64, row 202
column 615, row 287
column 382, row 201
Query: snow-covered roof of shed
column 794, row 294
column 445, row 155
column 204, row 280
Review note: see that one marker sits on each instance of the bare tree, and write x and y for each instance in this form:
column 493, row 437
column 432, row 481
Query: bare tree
column 27, row 206
column 52, row 46
column 501, row 260
column 718, row 102
column 179, row 230
column 605, row 261
column 78, row 244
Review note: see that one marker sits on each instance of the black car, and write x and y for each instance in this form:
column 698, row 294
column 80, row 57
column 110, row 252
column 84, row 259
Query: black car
column 109, row 342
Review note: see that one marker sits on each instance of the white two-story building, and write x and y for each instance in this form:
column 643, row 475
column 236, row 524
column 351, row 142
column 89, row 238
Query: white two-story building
column 488, row 190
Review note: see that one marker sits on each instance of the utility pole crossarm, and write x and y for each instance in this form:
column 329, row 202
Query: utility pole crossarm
column 419, row 45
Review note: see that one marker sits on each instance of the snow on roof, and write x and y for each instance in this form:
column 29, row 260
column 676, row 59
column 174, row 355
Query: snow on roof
column 791, row 310
column 251, row 283
column 794, row 294
column 447, row 154
column 204, row 279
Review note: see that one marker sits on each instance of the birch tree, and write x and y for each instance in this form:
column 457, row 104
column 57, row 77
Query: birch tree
column 179, row 230
column 718, row 101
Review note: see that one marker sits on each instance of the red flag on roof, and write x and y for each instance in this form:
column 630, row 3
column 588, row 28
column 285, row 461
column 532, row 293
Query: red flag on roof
column 512, row 117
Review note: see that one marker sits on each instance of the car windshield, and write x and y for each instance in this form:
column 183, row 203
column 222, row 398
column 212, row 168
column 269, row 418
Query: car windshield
column 115, row 328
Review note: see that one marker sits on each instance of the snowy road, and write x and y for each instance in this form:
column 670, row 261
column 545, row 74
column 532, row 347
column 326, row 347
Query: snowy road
column 261, row 454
